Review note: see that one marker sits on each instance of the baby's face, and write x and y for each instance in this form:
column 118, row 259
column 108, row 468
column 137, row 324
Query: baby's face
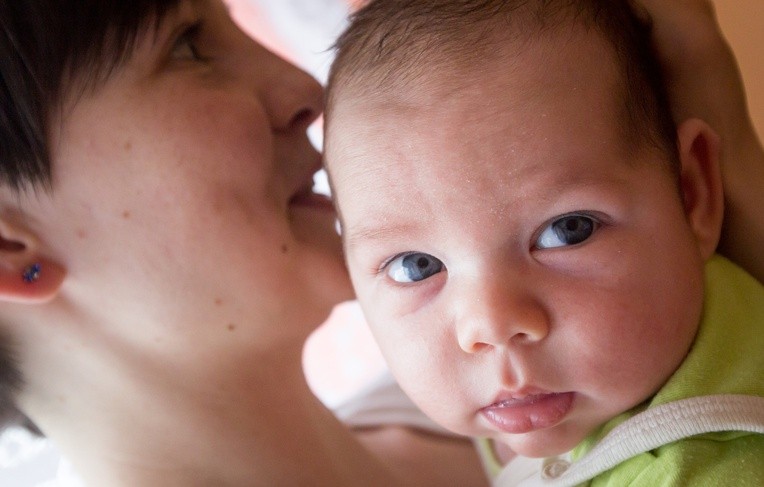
column 526, row 277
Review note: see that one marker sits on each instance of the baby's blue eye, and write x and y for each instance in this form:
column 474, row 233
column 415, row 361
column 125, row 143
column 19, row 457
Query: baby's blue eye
column 414, row 267
column 568, row 230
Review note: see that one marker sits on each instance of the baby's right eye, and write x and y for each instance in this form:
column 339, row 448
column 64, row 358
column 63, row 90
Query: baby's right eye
column 414, row 267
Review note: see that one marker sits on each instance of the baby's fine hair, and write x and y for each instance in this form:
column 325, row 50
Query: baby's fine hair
column 391, row 44
column 51, row 50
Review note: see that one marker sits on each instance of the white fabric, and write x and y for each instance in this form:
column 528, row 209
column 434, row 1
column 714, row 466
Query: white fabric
column 28, row 461
column 383, row 402
column 520, row 469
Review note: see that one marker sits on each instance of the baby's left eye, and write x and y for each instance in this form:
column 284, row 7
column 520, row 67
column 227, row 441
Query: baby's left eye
column 567, row 230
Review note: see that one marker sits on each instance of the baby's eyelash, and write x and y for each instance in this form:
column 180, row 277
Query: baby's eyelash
column 386, row 263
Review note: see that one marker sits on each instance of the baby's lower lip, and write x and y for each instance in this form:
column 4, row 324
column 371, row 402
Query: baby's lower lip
column 530, row 413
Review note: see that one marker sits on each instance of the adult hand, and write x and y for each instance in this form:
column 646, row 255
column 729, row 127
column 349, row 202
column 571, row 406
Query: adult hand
column 702, row 76
column 703, row 81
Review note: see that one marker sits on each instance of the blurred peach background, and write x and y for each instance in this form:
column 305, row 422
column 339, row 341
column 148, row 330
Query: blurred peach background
column 743, row 23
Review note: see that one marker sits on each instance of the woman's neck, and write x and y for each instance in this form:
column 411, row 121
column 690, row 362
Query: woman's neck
column 292, row 440
column 130, row 420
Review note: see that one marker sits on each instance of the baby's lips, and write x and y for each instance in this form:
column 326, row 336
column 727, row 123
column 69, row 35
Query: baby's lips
column 529, row 413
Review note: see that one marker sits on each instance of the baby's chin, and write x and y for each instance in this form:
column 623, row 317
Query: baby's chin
column 540, row 444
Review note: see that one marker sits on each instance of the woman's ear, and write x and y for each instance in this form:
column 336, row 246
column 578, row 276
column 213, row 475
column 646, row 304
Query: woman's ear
column 26, row 276
column 701, row 183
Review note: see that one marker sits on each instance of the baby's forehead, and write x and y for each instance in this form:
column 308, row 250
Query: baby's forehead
column 390, row 45
column 518, row 71
column 517, row 90
column 438, row 73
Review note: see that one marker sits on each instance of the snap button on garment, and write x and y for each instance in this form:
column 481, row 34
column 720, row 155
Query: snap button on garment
column 554, row 469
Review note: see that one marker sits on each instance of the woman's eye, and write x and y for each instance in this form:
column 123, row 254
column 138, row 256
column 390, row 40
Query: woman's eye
column 568, row 230
column 185, row 47
column 413, row 267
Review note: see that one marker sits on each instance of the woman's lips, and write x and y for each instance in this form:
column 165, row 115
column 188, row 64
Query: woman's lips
column 528, row 413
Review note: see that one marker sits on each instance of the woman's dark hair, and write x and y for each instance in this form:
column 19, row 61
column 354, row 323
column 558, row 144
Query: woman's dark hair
column 47, row 49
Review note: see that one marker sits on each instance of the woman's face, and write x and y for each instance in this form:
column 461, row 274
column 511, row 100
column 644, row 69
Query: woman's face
column 182, row 188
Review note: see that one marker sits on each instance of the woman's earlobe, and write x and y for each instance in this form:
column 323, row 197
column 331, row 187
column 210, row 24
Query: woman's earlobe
column 701, row 183
column 35, row 282
column 26, row 276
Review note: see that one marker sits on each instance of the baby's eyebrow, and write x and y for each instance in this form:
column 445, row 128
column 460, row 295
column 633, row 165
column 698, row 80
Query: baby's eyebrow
column 376, row 233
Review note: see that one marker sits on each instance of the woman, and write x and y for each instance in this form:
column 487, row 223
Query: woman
column 162, row 256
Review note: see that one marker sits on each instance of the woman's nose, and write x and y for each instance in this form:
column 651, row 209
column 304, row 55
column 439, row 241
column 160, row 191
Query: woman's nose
column 294, row 99
column 500, row 314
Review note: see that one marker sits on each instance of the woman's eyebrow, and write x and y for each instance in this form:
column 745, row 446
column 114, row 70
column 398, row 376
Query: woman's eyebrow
column 175, row 20
column 167, row 27
column 171, row 26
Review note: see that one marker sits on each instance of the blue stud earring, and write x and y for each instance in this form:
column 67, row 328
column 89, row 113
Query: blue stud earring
column 31, row 273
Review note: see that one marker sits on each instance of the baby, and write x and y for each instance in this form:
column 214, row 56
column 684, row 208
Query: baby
column 532, row 239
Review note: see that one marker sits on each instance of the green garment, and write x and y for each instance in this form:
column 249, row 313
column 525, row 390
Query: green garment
column 727, row 357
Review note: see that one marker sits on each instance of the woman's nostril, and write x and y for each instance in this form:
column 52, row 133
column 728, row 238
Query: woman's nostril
column 303, row 118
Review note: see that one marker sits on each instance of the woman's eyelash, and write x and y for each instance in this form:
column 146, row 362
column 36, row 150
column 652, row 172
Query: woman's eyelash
column 192, row 31
column 189, row 36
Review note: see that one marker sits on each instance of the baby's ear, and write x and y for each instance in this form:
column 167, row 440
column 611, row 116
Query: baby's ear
column 26, row 275
column 701, row 182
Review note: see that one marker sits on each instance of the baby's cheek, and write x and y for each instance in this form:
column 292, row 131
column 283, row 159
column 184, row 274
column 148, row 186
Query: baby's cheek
column 400, row 349
column 397, row 348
